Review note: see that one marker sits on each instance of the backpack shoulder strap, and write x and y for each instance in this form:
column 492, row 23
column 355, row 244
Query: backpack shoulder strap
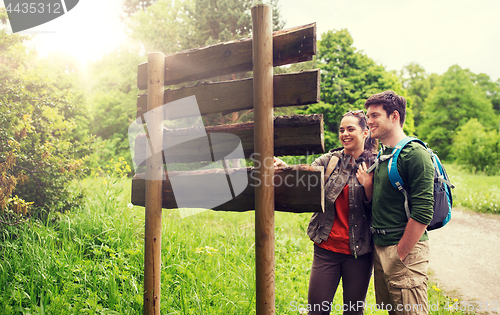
column 379, row 159
column 331, row 166
column 392, row 166
column 392, row 169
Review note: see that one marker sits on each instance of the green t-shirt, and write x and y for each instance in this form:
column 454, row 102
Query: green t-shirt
column 417, row 172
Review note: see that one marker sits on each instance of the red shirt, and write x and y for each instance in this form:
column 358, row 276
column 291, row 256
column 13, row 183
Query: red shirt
column 338, row 239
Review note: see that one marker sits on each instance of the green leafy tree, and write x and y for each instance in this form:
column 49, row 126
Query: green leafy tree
column 36, row 131
column 227, row 20
column 452, row 102
column 476, row 148
column 172, row 26
column 348, row 78
column 418, row 87
column 68, row 76
column 491, row 88
column 495, row 98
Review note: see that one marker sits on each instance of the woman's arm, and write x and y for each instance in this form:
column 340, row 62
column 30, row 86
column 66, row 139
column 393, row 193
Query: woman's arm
column 366, row 180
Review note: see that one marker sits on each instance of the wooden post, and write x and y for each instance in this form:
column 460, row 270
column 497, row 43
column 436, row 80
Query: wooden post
column 264, row 146
column 154, row 175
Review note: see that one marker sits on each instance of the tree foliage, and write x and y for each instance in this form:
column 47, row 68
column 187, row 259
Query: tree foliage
column 112, row 103
column 348, row 78
column 452, row 102
column 418, row 87
column 492, row 89
column 476, row 148
column 171, row 26
column 37, row 121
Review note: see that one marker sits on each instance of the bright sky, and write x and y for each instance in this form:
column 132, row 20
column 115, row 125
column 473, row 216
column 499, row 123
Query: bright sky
column 433, row 33
column 89, row 30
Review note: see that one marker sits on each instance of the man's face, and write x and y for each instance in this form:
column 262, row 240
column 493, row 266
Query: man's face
column 379, row 123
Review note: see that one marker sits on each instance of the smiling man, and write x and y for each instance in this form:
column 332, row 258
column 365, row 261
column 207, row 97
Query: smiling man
column 401, row 254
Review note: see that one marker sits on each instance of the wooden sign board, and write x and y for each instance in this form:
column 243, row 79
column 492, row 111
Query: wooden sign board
column 230, row 96
column 293, row 135
column 297, row 188
column 265, row 91
column 289, row 46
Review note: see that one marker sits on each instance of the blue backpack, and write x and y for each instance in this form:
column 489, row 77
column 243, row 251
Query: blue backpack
column 443, row 200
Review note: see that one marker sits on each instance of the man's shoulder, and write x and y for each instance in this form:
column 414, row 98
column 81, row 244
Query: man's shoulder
column 414, row 149
column 415, row 157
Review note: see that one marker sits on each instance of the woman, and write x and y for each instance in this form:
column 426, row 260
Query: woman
column 342, row 238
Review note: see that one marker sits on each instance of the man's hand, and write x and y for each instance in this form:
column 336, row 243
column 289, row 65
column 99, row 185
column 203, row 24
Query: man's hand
column 413, row 232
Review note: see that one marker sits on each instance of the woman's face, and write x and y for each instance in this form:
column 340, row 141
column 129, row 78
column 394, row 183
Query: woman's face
column 351, row 135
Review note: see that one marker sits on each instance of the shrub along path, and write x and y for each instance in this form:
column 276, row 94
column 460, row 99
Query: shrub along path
column 465, row 256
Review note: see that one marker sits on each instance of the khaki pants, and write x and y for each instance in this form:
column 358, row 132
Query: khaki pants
column 401, row 286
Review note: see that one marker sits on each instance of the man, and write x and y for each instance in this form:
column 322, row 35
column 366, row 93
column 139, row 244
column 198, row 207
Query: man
column 401, row 254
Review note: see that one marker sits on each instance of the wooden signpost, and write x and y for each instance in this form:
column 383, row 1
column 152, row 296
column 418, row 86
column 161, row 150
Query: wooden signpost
column 296, row 188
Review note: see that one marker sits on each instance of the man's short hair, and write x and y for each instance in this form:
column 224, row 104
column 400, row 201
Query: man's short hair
column 390, row 102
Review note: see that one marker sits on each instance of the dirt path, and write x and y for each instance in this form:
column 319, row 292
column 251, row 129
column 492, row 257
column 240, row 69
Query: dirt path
column 465, row 256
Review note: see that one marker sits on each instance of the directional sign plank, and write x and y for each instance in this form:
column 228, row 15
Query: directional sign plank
column 298, row 188
column 293, row 135
column 290, row 89
column 289, row 46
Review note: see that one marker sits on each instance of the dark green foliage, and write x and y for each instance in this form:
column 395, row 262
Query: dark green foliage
column 228, row 19
column 348, row 78
column 456, row 98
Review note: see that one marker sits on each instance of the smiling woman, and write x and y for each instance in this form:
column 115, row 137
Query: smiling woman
column 351, row 134
column 341, row 235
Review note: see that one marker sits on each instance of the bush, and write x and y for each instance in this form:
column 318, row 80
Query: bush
column 38, row 149
column 477, row 149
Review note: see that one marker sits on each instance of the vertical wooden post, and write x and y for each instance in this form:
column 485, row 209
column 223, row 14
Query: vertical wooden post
column 154, row 175
column 264, row 149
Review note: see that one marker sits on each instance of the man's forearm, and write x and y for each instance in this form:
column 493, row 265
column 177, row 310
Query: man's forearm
column 413, row 232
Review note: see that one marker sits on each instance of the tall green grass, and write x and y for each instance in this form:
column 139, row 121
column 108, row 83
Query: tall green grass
column 90, row 261
column 476, row 192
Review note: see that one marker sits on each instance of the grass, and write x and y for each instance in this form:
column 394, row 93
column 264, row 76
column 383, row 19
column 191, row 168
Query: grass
column 90, row 261
column 479, row 193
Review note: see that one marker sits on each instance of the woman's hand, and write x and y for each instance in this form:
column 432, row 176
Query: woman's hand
column 279, row 163
column 366, row 180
